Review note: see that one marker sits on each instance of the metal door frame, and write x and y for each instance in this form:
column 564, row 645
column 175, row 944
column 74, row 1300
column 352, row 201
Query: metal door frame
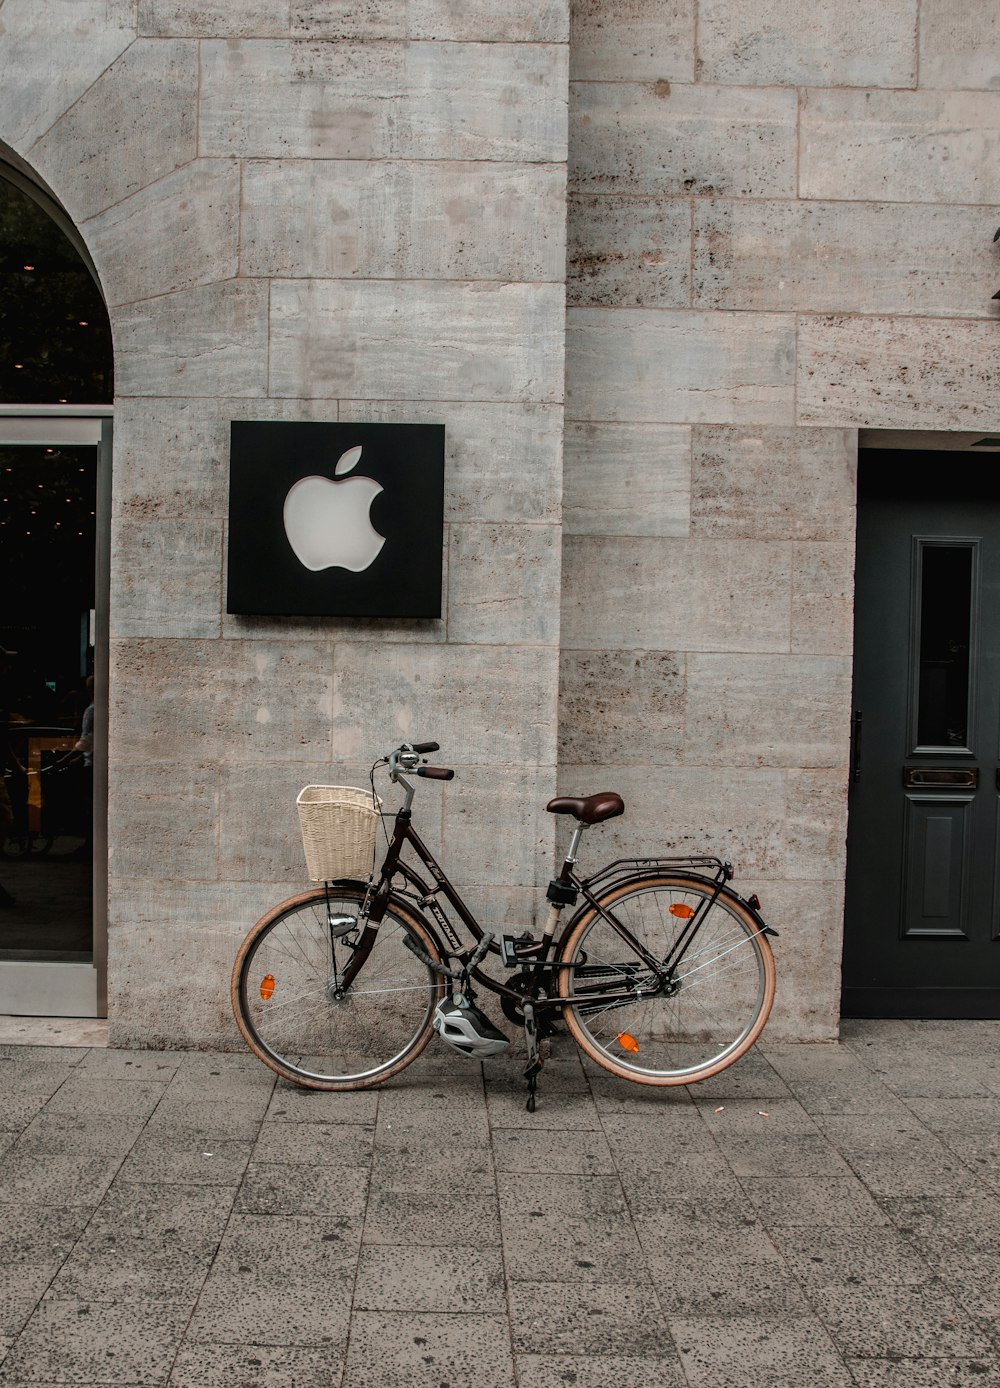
column 38, row 988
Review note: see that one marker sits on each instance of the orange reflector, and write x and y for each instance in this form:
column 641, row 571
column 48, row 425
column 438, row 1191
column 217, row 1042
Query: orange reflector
column 267, row 986
column 627, row 1042
column 681, row 909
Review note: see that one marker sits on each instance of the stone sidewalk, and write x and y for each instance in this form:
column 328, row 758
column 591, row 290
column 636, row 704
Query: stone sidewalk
column 818, row 1215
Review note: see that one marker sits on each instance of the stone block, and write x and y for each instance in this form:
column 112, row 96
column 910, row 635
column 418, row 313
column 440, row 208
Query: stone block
column 644, row 40
column 502, row 461
column 897, row 373
column 621, row 708
column 642, row 365
column 627, row 479
column 736, row 814
column 136, row 123
column 172, row 455
column 959, row 44
column 165, row 825
column 186, row 225
column 166, row 578
column 664, row 140
column 199, row 701
column 675, row 595
column 494, row 708
column 503, row 584
column 767, row 710
column 206, row 341
column 51, row 55
column 169, row 983
column 857, row 43
column 773, row 484
column 924, row 146
column 626, row 251
column 420, row 341
column 518, row 21
column 814, row 833
column 496, row 830
column 198, row 19
column 823, row 598
column 413, row 220
column 829, row 257
column 357, row 100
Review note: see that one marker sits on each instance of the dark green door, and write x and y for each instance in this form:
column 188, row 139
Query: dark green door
column 922, row 935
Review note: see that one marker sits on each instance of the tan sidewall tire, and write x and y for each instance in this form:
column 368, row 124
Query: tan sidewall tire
column 286, row 1071
column 637, row 1077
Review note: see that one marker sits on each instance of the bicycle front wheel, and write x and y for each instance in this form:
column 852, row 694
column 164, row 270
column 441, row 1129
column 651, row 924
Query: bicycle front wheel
column 295, row 1014
column 709, row 1008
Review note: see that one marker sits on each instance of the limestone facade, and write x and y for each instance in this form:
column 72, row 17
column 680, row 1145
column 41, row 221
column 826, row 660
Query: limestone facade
column 653, row 265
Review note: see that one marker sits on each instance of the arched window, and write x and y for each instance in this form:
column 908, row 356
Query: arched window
column 55, row 338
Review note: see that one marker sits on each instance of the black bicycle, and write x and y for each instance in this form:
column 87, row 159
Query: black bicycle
column 663, row 974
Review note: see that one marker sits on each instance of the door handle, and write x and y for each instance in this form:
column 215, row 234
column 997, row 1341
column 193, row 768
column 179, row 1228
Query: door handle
column 917, row 777
column 856, row 746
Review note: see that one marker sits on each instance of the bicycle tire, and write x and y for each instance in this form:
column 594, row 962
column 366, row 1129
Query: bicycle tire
column 282, row 1005
column 725, row 977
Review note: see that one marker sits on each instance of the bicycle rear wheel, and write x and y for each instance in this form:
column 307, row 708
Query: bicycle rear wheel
column 285, row 986
column 711, row 1007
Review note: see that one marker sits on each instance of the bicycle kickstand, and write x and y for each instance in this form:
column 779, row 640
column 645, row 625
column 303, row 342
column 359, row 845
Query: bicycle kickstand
column 534, row 1065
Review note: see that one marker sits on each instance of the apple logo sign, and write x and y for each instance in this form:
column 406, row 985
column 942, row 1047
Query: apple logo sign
column 338, row 518
column 328, row 522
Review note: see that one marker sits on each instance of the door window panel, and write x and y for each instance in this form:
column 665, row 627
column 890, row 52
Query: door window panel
column 47, row 542
column 946, row 578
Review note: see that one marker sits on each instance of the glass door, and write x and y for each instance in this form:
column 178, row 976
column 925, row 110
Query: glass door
column 54, row 475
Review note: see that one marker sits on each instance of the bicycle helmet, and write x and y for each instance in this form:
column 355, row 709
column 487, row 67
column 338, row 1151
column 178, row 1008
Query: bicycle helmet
column 470, row 1031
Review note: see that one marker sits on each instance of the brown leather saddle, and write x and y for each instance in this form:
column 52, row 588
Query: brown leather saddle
column 588, row 809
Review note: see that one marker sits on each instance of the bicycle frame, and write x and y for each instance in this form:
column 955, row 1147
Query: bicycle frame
column 539, row 964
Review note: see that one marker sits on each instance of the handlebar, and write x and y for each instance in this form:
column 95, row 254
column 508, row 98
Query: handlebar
column 406, row 759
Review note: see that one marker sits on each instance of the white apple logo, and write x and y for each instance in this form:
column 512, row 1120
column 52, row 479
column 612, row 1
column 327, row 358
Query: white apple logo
column 328, row 523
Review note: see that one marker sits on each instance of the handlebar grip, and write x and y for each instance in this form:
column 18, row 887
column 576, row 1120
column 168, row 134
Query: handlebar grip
column 436, row 773
column 423, row 747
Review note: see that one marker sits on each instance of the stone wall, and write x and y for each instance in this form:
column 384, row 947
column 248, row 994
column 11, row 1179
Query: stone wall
column 780, row 227
column 310, row 211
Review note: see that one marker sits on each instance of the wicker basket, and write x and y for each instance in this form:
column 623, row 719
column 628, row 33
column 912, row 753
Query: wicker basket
column 338, row 831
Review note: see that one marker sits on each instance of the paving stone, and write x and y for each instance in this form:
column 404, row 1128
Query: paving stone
column 177, row 1156
column 838, row 1254
column 600, row 1370
column 265, row 1366
column 714, row 1271
column 146, row 1243
column 593, row 1318
column 758, row 1351
column 521, row 1150
column 943, row 1372
column 87, row 1342
column 426, row 1350
column 915, row 1319
column 767, row 1156
column 297, row 1189
column 569, row 1229
column 813, row 1200
column 416, row 1217
column 453, row 1279
column 280, row 1280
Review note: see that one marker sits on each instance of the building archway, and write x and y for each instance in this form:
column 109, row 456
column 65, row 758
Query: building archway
column 56, row 385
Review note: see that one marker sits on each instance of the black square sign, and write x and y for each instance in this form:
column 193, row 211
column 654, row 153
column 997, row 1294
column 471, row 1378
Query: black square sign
column 344, row 520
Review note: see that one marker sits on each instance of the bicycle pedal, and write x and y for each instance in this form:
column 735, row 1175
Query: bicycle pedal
column 517, row 950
